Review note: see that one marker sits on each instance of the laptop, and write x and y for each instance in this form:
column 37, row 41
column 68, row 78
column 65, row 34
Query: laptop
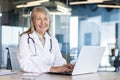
column 88, row 61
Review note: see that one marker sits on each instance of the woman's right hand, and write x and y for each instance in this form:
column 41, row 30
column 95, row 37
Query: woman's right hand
column 60, row 69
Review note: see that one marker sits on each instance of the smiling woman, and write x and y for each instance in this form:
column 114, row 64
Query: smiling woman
column 41, row 20
column 36, row 40
column 13, row 23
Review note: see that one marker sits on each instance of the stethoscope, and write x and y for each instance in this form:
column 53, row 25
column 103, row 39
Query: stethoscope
column 35, row 50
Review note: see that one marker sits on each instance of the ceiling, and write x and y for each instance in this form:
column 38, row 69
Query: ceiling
column 11, row 4
column 114, row 2
column 11, row 13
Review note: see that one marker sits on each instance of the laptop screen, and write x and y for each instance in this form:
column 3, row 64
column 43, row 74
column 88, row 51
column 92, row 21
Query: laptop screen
column 88, row 60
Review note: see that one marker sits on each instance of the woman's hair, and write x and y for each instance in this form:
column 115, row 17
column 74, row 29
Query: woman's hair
column 37, row 9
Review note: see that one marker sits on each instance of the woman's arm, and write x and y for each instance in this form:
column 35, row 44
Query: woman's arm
column 60, row 63
column 59, row 60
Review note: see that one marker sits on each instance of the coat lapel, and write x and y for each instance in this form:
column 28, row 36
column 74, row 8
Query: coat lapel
column 38, row 43
column 36, row 39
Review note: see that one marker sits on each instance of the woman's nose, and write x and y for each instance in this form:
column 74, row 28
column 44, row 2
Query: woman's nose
column 42, row 21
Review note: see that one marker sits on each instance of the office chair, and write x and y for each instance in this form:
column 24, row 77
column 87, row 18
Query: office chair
column 9, row 67
column 12, row 62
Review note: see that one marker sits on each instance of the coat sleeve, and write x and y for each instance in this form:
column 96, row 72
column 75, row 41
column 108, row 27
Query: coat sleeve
column 25, row 60
column 59, row 60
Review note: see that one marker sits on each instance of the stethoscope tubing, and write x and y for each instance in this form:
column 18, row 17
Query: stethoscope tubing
column 30, row 38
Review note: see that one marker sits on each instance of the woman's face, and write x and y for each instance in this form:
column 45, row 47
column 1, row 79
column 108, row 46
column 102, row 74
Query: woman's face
column 41, row 22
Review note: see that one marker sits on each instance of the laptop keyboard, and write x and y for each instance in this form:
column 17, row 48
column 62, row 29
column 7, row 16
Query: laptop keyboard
column 63, row 73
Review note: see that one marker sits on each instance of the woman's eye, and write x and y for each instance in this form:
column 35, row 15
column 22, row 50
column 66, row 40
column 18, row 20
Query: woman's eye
column 38, row 19
column 45, row 18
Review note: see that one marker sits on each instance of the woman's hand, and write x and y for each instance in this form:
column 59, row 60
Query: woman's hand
column 64, row 68
column 70, row 66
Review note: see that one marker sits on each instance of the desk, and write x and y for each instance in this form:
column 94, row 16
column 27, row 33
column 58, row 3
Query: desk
column 94, row 76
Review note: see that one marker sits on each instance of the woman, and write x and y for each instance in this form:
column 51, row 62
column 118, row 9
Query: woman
column 38, row 51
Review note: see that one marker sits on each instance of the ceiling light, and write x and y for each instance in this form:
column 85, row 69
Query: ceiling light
column 62, row 9
column 60, row 13
column 108, row 6
column 52, row 13
column 25, row 15
column 27, row 5
column 56, row 6
column 87, row 2
column 39, row 1
column 32, row 3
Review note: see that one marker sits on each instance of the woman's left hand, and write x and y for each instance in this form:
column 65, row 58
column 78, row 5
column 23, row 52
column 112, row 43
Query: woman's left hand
column 69, row 65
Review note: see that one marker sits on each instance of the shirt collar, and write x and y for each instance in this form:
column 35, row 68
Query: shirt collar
column 46, row 35
column 40, row 36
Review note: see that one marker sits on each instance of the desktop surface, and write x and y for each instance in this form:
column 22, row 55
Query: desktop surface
column 93, row 76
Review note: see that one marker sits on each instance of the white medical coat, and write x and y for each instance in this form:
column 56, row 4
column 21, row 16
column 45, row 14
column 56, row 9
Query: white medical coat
column 44, row 59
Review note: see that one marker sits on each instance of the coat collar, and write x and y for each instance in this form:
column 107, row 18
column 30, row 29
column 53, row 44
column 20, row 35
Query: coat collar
column 34, row 35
